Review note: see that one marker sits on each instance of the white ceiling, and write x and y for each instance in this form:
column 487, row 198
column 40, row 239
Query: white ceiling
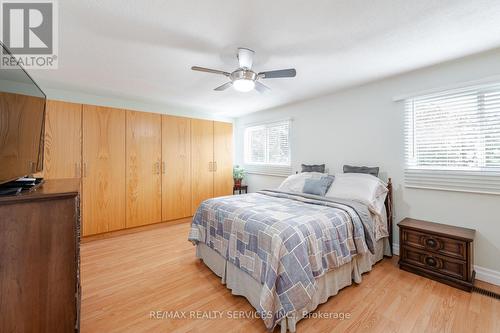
column 143, row 50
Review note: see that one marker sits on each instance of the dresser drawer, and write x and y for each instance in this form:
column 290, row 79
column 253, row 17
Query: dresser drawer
column 442, row 245
column 433, row 262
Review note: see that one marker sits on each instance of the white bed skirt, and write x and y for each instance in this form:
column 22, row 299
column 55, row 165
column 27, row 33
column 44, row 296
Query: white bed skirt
column 329, row 284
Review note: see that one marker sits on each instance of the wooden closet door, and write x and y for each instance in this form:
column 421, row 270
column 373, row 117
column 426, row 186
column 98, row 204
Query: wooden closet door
column 63, row 140
column 176, row 167
column 143, row 168
column 103, row 195
column 223, row 158
column 202, row 153
column 17, row 148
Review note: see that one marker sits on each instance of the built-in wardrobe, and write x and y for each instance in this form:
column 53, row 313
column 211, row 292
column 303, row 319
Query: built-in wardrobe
column 136, row 168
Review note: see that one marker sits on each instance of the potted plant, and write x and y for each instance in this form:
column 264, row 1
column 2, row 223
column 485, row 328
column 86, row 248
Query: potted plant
column 238, row 175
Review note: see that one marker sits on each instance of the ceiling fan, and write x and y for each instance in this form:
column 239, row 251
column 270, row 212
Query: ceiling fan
column 244, row 78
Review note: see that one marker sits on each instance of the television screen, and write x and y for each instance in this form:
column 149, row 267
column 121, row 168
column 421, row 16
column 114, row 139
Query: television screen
column 22, row 113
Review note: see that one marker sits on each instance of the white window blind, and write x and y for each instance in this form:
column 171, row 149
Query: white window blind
column 267, row 148
column 453, row 140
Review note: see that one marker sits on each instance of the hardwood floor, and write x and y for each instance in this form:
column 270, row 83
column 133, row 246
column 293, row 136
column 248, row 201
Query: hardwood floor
column 126, row 277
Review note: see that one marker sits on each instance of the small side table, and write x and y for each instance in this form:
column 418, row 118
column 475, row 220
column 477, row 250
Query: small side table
column 437, row 251
column 240, row 188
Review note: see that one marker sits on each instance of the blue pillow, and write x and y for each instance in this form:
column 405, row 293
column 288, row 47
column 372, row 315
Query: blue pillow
column 318, row 186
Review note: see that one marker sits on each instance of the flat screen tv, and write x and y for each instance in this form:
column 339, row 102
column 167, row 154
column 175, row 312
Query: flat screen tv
column 22, row 114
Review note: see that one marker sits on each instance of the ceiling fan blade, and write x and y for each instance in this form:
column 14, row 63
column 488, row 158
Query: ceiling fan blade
column 209, row 70
column 245, row 57
column 291, row 72
column 262, row 88
column 224, row 86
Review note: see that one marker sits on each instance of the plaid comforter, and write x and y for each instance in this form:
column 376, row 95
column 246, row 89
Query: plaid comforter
column 283, row 240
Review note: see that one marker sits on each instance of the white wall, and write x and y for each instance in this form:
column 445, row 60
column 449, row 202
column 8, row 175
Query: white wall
column 363, row 126
column 130, row 104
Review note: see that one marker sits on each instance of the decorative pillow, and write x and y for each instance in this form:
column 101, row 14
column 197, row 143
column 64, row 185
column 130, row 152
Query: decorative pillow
column 318, row 186
column 295, row 183
column 313, row 168
column 355, row 169
column 360, row 187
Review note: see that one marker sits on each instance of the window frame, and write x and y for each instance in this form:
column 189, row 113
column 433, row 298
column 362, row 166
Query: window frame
column 482, row 179
column 266, row 168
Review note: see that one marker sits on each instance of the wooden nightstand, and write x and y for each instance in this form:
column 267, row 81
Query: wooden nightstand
column 437, row 251
column 240, row 189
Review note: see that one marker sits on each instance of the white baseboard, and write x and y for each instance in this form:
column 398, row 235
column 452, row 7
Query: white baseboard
column 487, row 275
column 395, row 249
column 483, row 274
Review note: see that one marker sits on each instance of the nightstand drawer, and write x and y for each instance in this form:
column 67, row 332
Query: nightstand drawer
column 442, row 245
column 433, row 262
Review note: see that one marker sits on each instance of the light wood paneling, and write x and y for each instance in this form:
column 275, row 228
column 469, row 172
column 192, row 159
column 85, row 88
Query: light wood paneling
column 20, row 119
column 223, row 158
column 103, row 197
column 193, row 171
column 163, row 274
column 202, row 144
column 176, row 167
column 63, row 140
column 143, row 168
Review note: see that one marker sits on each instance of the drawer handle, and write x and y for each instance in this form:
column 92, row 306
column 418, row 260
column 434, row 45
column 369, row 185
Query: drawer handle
column 430, row 261
column 431, row 243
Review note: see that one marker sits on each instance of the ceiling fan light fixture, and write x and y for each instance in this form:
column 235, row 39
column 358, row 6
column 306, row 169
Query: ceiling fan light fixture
column 244, row 78
column 243, row 85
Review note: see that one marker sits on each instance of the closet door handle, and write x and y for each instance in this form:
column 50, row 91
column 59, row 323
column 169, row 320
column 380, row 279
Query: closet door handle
column 215, row 166
column 210, row 166
column 163, row 167
column 33, row 167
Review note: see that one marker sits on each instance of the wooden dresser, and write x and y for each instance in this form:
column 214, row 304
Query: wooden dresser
column 40, row 260
column 437, row 251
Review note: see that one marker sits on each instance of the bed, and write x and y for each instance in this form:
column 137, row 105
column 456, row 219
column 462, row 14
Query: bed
column 288, row 252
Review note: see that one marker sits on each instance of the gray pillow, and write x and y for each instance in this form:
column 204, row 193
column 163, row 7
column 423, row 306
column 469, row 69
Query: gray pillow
column 318, row 186
column 355, row 169
column 313, row 168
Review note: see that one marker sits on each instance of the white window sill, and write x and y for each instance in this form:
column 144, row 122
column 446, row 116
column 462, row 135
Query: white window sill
column 457, row 181
column 269, row 170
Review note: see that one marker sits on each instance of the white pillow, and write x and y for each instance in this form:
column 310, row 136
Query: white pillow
column 360, row 187
column 295, row 183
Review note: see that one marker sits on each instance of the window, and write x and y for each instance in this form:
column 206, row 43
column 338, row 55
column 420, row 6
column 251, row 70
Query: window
column 453, row 140
column 267, row 148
